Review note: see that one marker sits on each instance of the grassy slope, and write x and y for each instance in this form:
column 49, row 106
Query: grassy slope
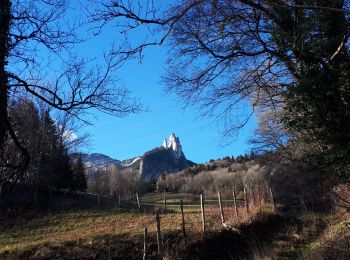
column 92, row 234
column 89, row 234
column 58, row 230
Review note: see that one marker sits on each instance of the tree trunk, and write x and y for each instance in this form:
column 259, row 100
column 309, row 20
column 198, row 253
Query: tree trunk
column 4, row 40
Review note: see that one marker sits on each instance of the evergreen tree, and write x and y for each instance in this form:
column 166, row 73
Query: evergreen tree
column 64, row 177
column 317, row 103
column 48, row 151
column 26, row 118
column 80, row 182
column 50, row 166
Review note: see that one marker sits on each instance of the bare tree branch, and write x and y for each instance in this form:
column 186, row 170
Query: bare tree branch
column 223, row 54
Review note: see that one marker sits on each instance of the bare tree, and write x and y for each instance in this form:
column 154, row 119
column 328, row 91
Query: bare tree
column 117, row 181
column 272, row 134
column 226, row 54
column 69, row 132
column 36, row 61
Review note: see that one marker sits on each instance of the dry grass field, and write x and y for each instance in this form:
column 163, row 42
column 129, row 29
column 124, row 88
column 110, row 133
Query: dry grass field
column 103, row 232
column 118, row 233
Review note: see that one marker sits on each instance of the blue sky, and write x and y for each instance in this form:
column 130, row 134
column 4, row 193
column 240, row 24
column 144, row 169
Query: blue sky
column 123, row 138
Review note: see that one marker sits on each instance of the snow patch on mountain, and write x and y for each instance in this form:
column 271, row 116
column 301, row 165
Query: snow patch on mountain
column 130, row 162
column 95, row 159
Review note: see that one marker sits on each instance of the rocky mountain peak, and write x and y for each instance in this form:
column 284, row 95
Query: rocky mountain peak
column 166, row 159
column 173, row 143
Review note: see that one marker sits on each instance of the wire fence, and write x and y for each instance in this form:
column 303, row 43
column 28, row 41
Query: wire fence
column 174, row 219
column 191, row 218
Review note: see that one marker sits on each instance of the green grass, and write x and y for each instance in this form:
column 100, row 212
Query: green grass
column 191, row 202
column 171, row 197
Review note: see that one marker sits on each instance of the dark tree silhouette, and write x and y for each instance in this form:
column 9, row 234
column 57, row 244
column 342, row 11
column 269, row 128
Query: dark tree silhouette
column 35, row 35
column 80, row 182
column 50, row 168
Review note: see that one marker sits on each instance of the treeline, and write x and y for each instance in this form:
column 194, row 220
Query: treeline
column 114, row 181
column 297, row 181
column 47, row 142
column 238, row 159
column 223, row 176
column 226, row 161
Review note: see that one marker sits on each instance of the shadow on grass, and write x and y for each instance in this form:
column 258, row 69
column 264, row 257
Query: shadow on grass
column 250, row 241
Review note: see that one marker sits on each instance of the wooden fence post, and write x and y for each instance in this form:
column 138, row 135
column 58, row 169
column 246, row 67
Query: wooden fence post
column 138, row 201
column 164, row 200
column 98, row 200
column 221, row 211
column 144, row 244
column 202, row 213
column 159, row 235
column 273, row 200
column 119, row 201
column 246, row 200
column 235, row 203
column 183, row 220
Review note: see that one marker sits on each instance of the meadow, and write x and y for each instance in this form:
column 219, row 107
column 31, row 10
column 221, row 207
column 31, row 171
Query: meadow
column 117, row 233
column 105, row 232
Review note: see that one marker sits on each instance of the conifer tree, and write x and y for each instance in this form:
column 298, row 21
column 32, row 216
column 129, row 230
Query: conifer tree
column 80, row 182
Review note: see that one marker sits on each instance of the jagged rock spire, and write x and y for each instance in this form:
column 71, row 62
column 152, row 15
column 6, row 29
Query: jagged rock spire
column 173, row 143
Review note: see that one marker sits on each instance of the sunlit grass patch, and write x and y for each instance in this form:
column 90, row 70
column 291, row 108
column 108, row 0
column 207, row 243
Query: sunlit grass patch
column 63, row 227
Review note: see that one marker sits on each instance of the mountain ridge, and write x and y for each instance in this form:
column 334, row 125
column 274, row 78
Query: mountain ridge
column 168, row 158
